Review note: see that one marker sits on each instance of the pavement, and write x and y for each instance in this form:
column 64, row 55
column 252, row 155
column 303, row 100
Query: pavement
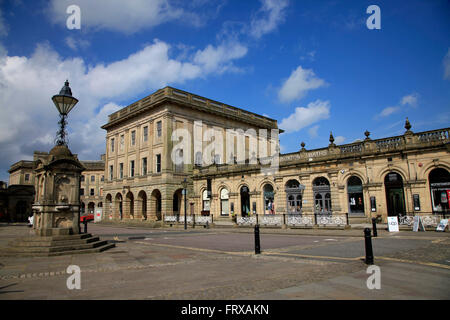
column 220, row 264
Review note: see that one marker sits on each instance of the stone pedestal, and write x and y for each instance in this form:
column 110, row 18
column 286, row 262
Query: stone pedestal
column 57, row 208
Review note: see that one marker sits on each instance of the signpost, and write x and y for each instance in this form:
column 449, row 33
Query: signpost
column 393, row 224
column 418, row 224
column 442, row 225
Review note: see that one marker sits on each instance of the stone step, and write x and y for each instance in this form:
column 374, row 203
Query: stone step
column 358, row 220
column 99, row 248
column 45, row 243
column 49, row 249
column 51, row 238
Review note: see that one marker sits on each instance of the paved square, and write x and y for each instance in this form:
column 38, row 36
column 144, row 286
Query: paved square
column 172, row 263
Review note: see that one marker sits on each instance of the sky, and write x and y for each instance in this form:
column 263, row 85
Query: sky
column 313, row 65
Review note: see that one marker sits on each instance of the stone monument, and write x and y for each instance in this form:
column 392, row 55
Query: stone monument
column 57, row 199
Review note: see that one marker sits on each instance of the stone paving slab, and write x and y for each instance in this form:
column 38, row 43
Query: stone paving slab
column 414, row 282
column 171, row 268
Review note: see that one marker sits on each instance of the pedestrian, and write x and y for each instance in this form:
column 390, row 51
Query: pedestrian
column 30, row 221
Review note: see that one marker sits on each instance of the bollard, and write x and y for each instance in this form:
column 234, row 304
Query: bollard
column 257, row 242
column 374, row 227
column 368, row 242
column 85, row 226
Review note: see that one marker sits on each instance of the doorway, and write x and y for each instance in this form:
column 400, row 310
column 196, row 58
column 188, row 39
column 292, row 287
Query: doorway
column 395, row 197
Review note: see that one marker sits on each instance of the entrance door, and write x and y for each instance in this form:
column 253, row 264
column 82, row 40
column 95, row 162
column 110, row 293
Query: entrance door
column 396, row 202
column 245, row 201
column 395, row 197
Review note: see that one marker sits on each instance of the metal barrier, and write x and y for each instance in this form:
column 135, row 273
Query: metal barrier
column 429, row 219
column 268, row 220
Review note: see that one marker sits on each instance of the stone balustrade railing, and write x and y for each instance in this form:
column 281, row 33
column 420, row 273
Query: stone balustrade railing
column 434, row 137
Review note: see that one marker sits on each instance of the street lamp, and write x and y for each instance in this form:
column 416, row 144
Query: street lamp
column 64, row 102
column 184, row 184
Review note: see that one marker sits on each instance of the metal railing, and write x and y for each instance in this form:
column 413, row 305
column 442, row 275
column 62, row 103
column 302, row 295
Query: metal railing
column 429, row 219
column 191, row 219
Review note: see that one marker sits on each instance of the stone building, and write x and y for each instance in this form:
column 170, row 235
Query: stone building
column 393, row 176
column 153, row 144
column 399, row 175
column 91, row 186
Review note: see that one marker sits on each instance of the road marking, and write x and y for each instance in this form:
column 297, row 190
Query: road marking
column 309, row 256
column 430, row 264
column 197, row 249
column 439, row 240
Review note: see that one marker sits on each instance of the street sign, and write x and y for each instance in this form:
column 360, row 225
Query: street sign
column 442, row 225
column 418, row 224
column 98, row 215
column 393, row 224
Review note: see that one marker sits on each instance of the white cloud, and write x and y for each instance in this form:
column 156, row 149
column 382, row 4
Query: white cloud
column 76, row 44
column 339, row 140
column 303, row 117
column 218, row 59
column 268, row 17
column 446, row 63
column 388, row 111
column 4, row 28
column 28, row 83
column 313, row 131
column 410, row 100
column 298, row 84
column 122, row 16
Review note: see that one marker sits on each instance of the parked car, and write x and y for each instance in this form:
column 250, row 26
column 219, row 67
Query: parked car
column 87, row 217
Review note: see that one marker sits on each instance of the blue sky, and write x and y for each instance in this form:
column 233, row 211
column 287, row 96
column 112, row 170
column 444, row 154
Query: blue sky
column 312, row 65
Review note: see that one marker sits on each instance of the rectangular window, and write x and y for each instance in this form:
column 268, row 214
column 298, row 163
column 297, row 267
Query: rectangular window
column 27, row 177
column 120, row 170
column 158, row 163
column 132, row 168
column 92, row 192
column 144, row 166
column 82, row 178
column 81, row 192
column 111, row 168
column 145, row 134
column 122, row 142
column 133, row 138
column 159, row 128
column 103, row 178
column 112, row 144
column 92, row 178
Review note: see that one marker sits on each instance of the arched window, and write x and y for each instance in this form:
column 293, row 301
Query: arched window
column 439, row 179
column 322, row 196
column 294, row 194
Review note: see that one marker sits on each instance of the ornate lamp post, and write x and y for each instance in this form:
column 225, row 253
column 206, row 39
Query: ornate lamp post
column 184, row 184
column 64, row 102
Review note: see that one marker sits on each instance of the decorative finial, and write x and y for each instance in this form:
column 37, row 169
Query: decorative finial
column 407, row 124
column 367, row 134
column 303, row 145
column 331, row 138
